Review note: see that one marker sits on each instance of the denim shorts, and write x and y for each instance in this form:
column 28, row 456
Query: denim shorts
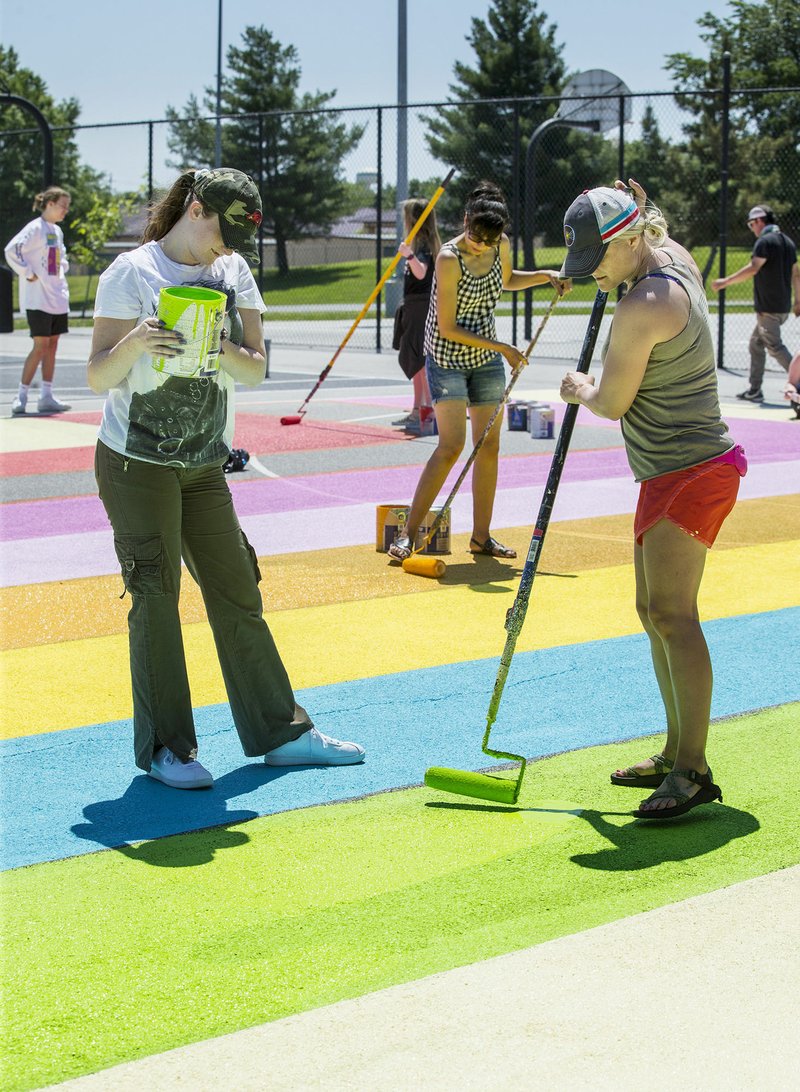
column 481, row 386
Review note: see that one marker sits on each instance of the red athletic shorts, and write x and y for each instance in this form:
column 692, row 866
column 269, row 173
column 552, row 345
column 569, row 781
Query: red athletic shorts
column 696, row 499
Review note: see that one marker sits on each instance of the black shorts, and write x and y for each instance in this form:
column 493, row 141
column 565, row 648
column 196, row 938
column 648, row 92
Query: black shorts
column 43, row 324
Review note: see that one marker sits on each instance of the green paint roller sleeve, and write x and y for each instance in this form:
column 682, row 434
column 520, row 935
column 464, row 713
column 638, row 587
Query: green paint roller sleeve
column 467, row 783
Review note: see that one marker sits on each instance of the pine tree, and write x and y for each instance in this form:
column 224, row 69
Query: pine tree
column 516, row 56
column 293, row 148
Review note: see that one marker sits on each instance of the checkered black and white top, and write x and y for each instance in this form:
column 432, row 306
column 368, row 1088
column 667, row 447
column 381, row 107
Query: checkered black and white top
column 476, row 299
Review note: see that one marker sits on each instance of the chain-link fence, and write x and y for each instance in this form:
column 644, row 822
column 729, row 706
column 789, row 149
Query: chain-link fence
column 701, row 157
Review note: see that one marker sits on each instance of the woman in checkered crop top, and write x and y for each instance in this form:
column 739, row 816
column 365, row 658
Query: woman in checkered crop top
column 464, row 360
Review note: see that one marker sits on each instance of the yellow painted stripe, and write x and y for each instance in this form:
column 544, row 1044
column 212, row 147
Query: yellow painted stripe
column 28, row 434
column 82, row 682
column 69, row 610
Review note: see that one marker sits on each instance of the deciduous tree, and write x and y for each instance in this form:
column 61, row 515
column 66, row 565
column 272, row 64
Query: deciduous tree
column 293, row 144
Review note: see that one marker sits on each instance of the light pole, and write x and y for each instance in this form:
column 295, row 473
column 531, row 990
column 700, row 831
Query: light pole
column 218, row 132
column 402, row 114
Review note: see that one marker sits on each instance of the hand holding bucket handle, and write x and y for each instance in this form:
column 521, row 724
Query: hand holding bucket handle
column 198, row 314
column 296, row 418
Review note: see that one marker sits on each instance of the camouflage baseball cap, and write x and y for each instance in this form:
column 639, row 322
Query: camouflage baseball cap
column 234, row 196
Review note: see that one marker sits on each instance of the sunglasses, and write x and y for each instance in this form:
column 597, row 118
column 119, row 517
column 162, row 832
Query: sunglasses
column 480, row 239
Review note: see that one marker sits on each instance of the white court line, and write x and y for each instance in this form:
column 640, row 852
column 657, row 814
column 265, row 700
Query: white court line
column 259, row 466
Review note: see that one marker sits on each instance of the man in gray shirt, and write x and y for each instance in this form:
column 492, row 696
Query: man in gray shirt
column 773, row 267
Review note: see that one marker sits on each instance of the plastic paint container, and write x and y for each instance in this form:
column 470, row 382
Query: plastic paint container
column 392, row 518
column 541, row 419
column 198, row 314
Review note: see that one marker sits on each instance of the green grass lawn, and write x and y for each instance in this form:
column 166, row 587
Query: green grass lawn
column 350, row 284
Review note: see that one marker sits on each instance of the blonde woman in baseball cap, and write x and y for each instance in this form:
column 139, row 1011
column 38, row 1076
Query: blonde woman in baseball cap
column 163, row 440
column 659, row 380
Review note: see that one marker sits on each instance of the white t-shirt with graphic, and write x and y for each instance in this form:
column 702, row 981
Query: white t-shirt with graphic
column 152, row 415
column 39, row 249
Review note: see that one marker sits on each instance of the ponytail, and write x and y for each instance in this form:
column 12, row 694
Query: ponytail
column 163, row 215
column 48, row 197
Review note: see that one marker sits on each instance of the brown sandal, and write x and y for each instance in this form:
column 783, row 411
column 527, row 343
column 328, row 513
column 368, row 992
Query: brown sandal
column 706, row 794
column 630, row 776
column 492, row 548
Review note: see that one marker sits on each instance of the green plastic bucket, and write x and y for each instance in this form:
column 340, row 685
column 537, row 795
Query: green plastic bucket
column 198, row 314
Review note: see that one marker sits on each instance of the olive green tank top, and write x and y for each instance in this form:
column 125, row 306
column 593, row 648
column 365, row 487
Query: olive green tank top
column 674, row 421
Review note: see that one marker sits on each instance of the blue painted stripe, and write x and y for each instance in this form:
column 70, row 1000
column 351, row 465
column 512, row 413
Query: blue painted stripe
column 76, row 791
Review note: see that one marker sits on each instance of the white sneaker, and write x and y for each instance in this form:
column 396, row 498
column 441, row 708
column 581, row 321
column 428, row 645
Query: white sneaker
column 315, row 749
column 48, row 404
column 18, row 407
column 169, row 769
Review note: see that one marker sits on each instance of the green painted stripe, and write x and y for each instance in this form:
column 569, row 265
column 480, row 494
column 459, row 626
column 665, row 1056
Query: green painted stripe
column 123, row 954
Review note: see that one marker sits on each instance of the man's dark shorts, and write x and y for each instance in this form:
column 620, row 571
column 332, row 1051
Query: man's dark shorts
column 43, row 324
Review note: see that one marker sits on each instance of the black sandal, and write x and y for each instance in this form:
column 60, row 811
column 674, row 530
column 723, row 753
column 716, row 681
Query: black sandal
column 707, row 792
column 645, row 780
column 492, row 548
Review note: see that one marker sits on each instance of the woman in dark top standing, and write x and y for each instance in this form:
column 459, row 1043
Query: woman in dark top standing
column 410, row 322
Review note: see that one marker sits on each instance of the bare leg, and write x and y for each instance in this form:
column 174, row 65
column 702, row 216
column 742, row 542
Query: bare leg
column 49, row 358
column 658, row 655
column 37, row 354
column 673, row 564
column 422, row 395
column 484, row 471
column 451, row 420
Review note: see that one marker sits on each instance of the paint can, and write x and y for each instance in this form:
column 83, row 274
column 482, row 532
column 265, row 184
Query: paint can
column 198, row 314
column 541, row 420
column 390, row 520
column 517, row 416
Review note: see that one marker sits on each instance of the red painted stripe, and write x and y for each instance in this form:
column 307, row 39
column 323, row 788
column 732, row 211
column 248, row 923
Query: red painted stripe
column 58, row 460
column 257, row 433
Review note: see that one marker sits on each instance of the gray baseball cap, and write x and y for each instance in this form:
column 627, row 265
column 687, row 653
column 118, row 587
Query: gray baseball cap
column 591, row 222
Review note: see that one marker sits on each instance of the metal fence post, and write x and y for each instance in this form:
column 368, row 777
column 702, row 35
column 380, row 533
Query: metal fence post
column 515, row 216
column 378, row 231
column 621, row 163
column 149, row 161
column 723, row 201
column 261, row 189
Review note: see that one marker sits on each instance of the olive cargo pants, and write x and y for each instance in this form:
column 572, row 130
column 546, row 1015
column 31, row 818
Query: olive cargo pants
column 160, row 514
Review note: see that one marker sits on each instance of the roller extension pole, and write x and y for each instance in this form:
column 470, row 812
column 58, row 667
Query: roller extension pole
column 419, row 566
column 296, row 418
column 488, row 786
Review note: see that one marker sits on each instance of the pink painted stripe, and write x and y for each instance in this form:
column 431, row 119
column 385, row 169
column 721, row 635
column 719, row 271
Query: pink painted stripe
column 255, row 496
column 91, row 553
column 260, row 496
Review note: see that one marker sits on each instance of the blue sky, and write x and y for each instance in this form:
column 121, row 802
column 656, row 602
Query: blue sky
column 129, row 62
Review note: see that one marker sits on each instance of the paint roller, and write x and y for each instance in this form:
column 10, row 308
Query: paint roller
column 296, row 418
column 433, row 566
column 490, row 786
